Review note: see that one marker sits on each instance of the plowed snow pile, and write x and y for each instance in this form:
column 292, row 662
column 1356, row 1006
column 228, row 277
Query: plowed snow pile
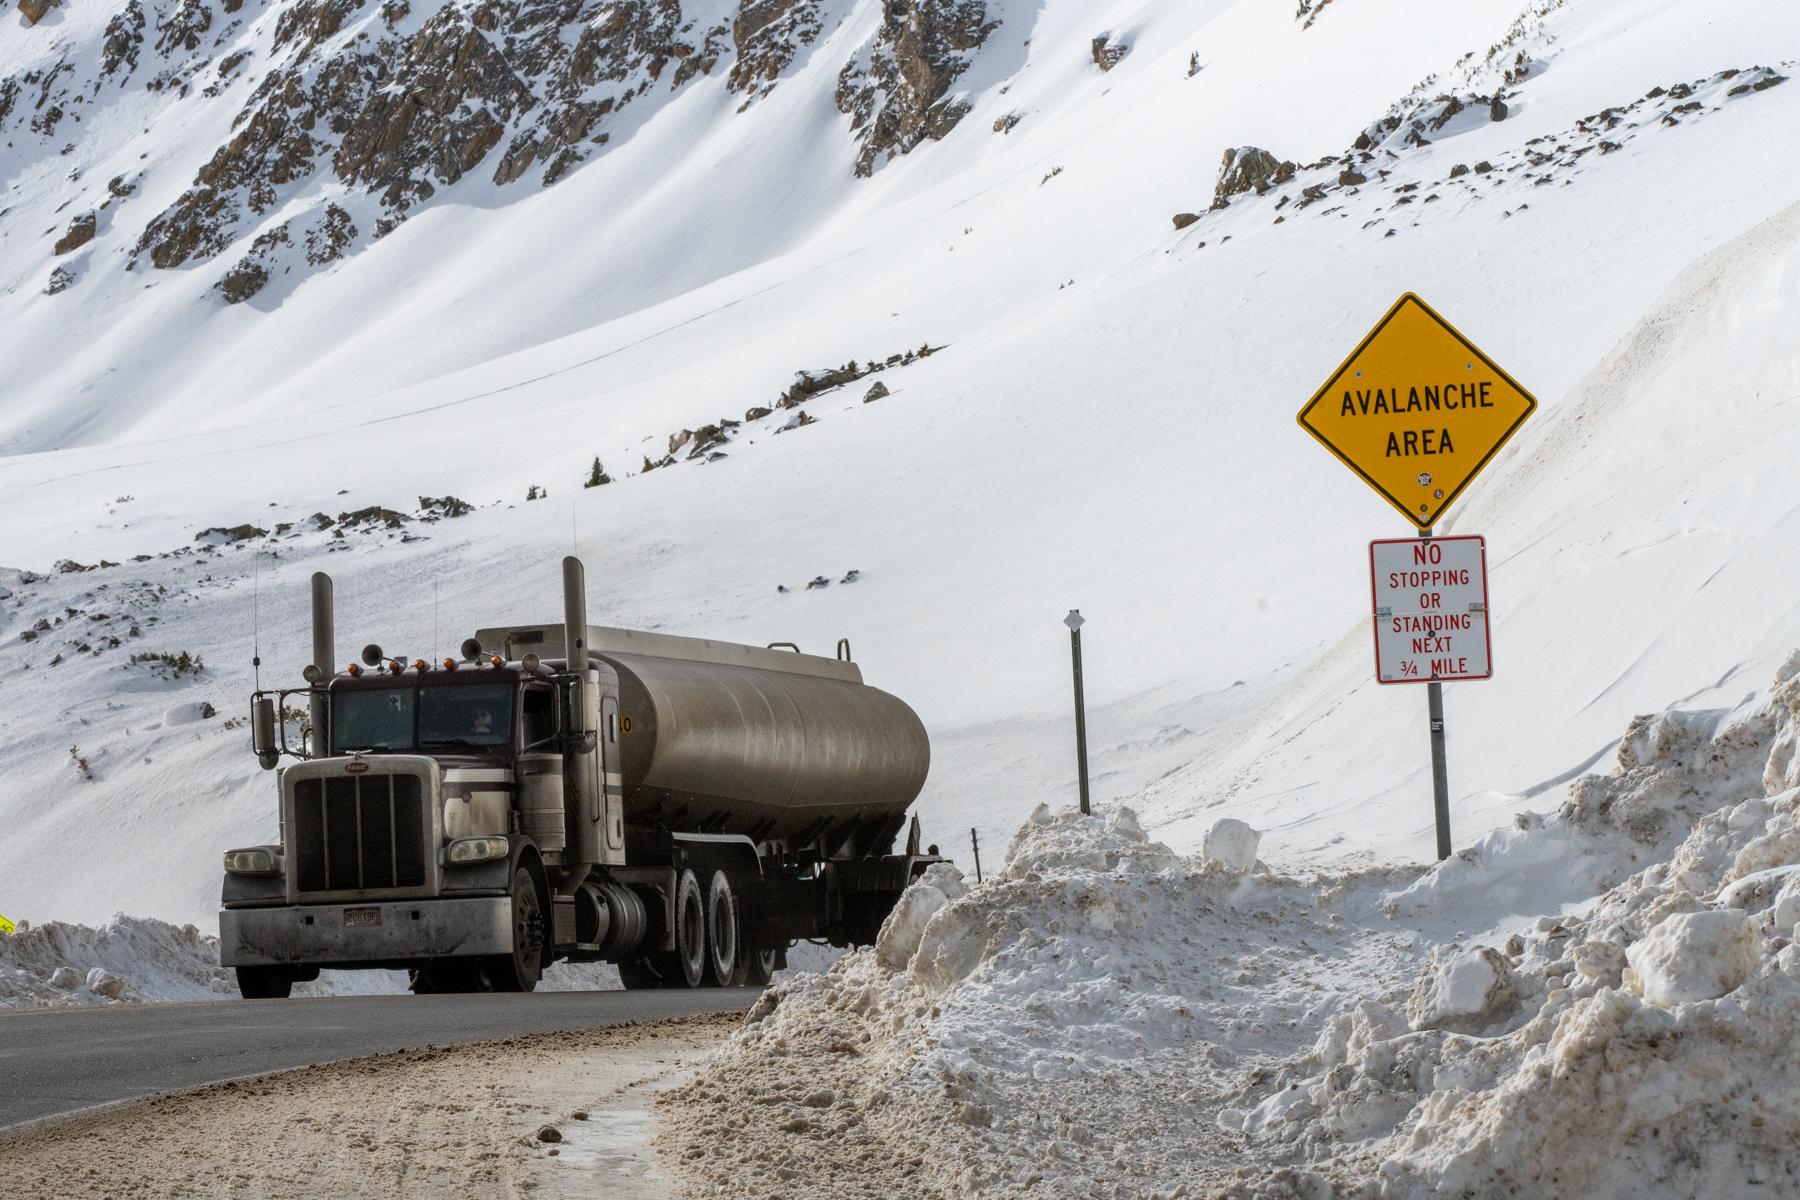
column 140, row 959
column 1108, row 1018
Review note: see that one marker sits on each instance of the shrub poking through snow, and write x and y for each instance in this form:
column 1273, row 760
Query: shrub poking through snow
column 164, row 665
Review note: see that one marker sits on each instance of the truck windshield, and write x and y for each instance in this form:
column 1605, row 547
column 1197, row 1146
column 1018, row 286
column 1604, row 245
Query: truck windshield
column 413, row 718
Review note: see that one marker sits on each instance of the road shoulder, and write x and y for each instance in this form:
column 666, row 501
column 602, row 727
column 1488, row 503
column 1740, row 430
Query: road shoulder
column 454, row 1122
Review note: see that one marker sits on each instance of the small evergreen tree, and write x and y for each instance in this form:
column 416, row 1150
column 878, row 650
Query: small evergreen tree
column 597, row 475
column 532, row 493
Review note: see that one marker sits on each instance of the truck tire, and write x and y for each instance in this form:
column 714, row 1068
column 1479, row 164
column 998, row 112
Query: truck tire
column 684, row 966
column 265, row 983
column 521, row 970
column 723, row 946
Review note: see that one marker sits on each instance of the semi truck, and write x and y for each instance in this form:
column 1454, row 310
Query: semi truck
column 687, row 809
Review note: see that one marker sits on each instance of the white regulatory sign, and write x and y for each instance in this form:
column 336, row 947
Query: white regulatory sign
column 1431, row 609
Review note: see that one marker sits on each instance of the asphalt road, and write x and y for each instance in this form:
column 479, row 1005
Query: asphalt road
column 58, row 1061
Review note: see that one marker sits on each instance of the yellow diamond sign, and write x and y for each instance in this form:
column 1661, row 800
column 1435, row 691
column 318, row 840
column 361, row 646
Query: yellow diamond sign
column 1417, row 411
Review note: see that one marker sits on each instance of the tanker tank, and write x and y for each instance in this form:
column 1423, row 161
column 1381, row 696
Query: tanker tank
column 772, row 744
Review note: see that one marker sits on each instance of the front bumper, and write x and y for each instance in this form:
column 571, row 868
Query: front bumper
column 408, row 931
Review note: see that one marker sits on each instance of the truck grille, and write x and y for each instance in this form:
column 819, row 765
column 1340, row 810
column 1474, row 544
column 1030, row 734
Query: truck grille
column 360, row 832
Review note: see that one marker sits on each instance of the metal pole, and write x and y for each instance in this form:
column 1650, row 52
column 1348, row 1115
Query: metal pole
column 1075, row 621
column 976, row 843
column 1440, row 770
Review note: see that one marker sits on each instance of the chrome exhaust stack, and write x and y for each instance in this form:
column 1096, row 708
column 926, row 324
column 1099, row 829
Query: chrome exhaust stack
column 324, row 653
column 584, row 793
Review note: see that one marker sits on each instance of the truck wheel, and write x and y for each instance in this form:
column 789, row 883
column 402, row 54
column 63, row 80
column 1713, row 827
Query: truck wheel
column 265, row 983
column 521, row 970
column 722, row 947
column 685, row 966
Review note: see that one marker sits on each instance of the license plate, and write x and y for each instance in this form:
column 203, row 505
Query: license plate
column 362, row 916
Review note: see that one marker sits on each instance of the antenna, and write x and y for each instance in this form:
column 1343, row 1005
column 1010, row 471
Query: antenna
column 256, row 616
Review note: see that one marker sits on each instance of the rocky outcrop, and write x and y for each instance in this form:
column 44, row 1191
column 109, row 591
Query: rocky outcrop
column 1108, row 53
column 35, row 10
column 403, row 115
column 589, row 61
column 327, row 241
column 768, row 35
column 183, row 27
column 80, row 233
column 445, row 105
column 896, row 91
column 252, row 271
column 61, row 280
column 1245, row 169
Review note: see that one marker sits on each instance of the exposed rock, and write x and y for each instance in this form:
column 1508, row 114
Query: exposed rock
column 124, row 35
column 879, row 391
column 81, row 232
column 448, row 507
column 35, row 10
column 182, row 28
column 1108, row 53
column 767, row 35
column 325, row 242
column 1007, row 123
column 756, row 413
column 1351, row 177
column 372, row 516
column 61, row 280
column 219, row 535
column 1183, row 220
column 896, row 90
column 1248, row 168
column 251, row 273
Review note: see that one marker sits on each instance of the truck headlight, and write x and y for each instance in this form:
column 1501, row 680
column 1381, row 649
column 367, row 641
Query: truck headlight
column 256, row 861
column 464, row 851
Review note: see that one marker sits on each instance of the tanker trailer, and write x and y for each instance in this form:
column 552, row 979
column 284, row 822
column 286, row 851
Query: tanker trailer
column 684, row 808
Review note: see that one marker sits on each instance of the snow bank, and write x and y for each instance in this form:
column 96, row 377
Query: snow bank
column 143, row 960
column 1107, row 1017
column 1058, row 1030
column 1647, row 1046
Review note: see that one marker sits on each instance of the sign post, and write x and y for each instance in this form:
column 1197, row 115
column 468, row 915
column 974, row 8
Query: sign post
column 1417, row 411
column 1075, row 621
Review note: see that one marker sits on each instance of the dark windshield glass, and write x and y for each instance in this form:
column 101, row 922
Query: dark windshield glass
column 475, row 716
column 405, row 718
column 372, row 720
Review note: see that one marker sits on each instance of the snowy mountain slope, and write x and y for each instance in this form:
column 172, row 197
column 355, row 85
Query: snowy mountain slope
column 1107, row 421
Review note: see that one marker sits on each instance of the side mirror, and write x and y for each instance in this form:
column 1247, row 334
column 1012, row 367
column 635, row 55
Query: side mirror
column 262, row 733
column 583, row 708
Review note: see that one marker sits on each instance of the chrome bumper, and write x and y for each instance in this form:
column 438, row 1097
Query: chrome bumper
column 408, row 929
